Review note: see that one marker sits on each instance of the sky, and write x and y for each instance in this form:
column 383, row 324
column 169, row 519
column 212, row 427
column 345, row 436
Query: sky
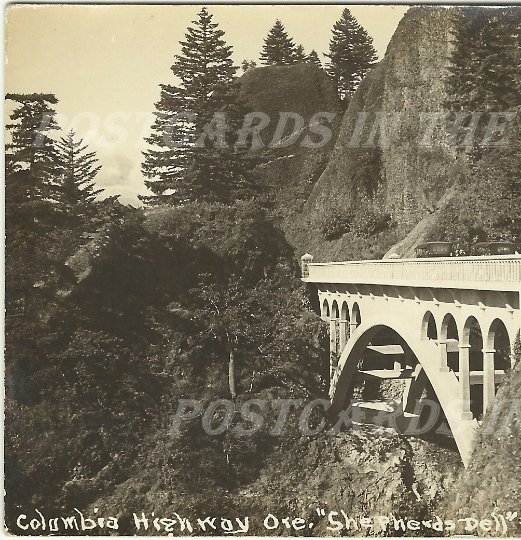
column 104, row 63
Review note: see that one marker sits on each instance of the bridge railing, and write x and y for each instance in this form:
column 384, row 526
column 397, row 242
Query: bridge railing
column 498, row 272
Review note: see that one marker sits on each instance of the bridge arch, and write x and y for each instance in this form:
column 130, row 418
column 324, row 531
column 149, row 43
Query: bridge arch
column 449, row 342
column 449, row 327
column 472, row 335
column 356, row 317
column 444, row 383
column 429, row 329
column 325, row 311
column 499, row 340
column 335, row 312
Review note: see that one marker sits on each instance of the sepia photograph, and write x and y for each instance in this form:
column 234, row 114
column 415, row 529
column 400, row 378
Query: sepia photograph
column 262, row 270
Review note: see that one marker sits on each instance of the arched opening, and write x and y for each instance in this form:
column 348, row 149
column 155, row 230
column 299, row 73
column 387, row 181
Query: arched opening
column 429, row 329
column 334, row 310
column 449, row 334
column 356, row 318
column 384, row 366
column 324, row 312
column 472, row 341
column 498, row 340
column 497, row 360
column 426, row 386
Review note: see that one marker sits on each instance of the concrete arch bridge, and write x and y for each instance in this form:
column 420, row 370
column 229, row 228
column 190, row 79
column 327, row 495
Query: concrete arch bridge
column 444, row 329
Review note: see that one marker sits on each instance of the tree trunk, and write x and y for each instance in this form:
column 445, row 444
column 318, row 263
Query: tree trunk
column 231, row 372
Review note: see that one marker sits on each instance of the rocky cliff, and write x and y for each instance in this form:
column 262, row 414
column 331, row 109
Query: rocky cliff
column 290, row 172
column 385, row 161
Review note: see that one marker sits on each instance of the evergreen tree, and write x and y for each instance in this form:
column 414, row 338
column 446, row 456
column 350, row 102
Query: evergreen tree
column 183, row 164
column 171, row 141
column 487, row 205
column 351, row 54
column 300, row 55
column 75, row 171
column 205, row 63
column 499, row 72
column 278, row 48
column 31, row 274
column 313, row 58
column 29, row 146
column 484, row 68
column 247, row 65
column 29, row 153
column 222, row 172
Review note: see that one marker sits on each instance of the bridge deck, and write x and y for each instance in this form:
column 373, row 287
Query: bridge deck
column 498, row 272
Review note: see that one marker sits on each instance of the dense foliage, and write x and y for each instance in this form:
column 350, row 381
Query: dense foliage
column 487, row 205
column 157, row 306
column 114, row 317
column 484, row 71
column 115, row 313
column 484, row 76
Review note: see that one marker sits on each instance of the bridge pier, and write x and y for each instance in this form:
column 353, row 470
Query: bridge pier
column 344, row 334
column 464, row 381
column 489, row 385
column 442, row 344
column 333, row 354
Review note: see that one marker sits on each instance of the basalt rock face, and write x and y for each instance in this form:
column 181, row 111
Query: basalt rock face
column 289, row 171
column 304, row 89
column 400, row 172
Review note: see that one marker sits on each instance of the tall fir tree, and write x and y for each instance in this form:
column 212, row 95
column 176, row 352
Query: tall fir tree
column 300, row 55
column 313, row 58
column 170, row 143
column 220, row 171
column 29, row 146
column 31, row 273
column 29, row 160
column 205, row 63
column 182, row 163
column 279, row 49
column 75, row 171
column 351, row 54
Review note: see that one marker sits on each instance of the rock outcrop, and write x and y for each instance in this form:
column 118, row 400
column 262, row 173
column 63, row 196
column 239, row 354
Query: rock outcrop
column 290, row 172
column 400, row 174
